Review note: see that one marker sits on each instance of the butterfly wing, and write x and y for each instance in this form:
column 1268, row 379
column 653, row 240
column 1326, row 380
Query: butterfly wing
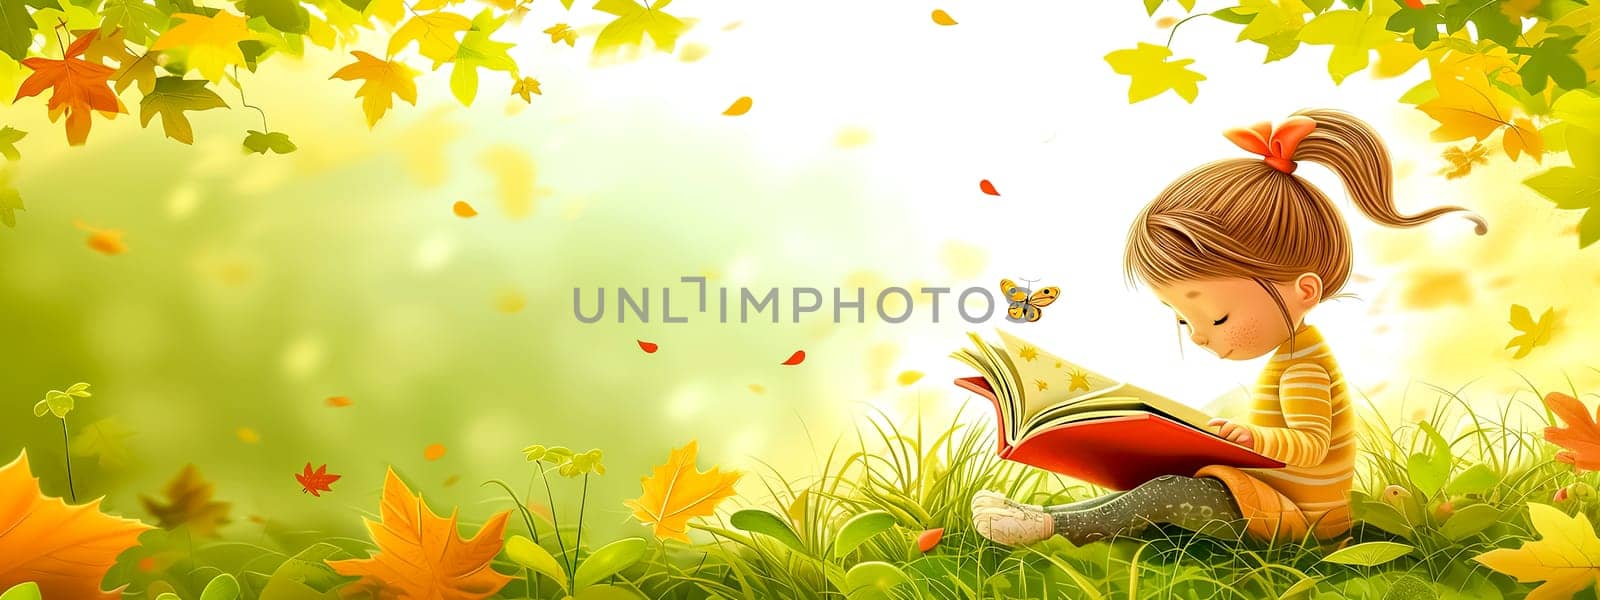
column 1013, row 292
column 1031, row 313
column 1044, row 297
column 1016, row 310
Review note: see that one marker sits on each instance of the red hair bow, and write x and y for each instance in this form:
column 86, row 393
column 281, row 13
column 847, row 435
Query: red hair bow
column 1276, row 144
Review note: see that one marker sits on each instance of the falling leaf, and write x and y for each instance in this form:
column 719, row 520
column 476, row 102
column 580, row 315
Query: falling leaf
column 463, row 210
column 382, row 82
column 173, row 97
column 693, row 52
column 943, row 18
column 435, row 35
column 647, row 347
column 105, row 241
column 247, row 435
column 510, row 302
column 1461, row 160
column 188, row 503
column 634, row 21
column 988, row 188
column 739, row 107
column 1533, row 334
column 212, row 43
column 1166, row 22
column 8, row 142
column 798, row 357
column 1566, row 558
column 339, row 401
column 757, row 388
column 421, row 555
column 1152, row 72
column 103, row 441
column 930, row 538
column 561, row 32
column 316, row 482
column 433, row 452
column 677, row 491
column 908, row 377
column 260, row 142
column 65, row 549
column 526, row 86
column 1580, row 439
column 77, row 87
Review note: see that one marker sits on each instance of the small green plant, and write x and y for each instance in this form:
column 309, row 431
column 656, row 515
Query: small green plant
column 59, row 404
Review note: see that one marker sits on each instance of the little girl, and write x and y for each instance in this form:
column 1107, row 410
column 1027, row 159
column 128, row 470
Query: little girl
column 1241, row 249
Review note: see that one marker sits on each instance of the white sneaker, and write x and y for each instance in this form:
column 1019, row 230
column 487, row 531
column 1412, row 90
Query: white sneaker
column 1010, row 523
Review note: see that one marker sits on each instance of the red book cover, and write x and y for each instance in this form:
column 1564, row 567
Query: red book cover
column 1122, row 452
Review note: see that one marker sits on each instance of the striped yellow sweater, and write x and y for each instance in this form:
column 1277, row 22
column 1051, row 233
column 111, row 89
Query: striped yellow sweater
column 1300, row 415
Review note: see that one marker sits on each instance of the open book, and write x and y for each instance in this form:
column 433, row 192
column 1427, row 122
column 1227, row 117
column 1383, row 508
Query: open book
column 1058, row 416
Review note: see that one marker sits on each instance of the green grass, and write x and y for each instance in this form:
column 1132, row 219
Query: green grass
column 914, row 477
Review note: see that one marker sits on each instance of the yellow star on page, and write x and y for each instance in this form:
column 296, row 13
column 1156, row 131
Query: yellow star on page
column 1077, row 380
column 1028, row 353
column 1042, row 384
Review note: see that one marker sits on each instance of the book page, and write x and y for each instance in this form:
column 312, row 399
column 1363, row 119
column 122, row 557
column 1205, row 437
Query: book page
column 1048, row 380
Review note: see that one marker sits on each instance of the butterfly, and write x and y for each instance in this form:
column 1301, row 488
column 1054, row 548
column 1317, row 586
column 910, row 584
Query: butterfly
column 1025, row 306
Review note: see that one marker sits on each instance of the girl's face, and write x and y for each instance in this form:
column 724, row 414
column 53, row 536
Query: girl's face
column 1235, row 318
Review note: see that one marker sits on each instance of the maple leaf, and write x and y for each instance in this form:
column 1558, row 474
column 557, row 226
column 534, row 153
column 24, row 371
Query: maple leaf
column 1272, row 24
column 65, row 549
column 138, row 18
column 633, row 22
column 561, row 32
column 1566, row 558
column 434, row 33
column 1551, row 60
column 259, row 142
column 77, row 87
column 16, row 29
column 1422, row 22
column 189, row 503
column 381, row 80
column 1153, row 74
column 10, row 199
column 524, row 87
column 212, row 42
column 171, row 98
column 1578, row 186
column 676, row 492
column 1466, row 106
column 476, row 51
column 421, row 555
column 286, row 16
column 1580, row 438
column 1354, row 34
column 1533, row 334
column 316, row 482
column 1521, row 136
column 102, row 440
column 1462, row 159
column 8, row 142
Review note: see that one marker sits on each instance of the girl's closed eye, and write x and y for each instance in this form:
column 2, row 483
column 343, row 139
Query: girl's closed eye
column 1224, row 319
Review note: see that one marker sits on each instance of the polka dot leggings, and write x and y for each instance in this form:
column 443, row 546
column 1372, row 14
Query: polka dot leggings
column 1200, row 504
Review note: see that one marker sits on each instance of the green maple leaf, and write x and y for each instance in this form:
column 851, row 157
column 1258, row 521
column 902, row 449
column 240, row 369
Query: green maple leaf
column 10, row 200
column 1271, row 24
column 140, row 21
column 284, row 15
column 1153, row 74
column 8, row 142
column 633, row 22
column 171, row 98
column 1354, row 34
column 16, row 29
column 1486, row 17
column 1423, row 23
column 1551, row 59
column 478, row 51
column 103, row 441
column 1576, row 187
column 259, row 142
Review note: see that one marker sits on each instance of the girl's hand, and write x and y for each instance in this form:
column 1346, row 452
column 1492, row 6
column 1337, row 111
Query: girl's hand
column 1235, row 432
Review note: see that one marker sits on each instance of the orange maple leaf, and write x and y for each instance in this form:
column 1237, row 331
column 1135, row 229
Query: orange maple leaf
column 676, row 492
column 1581, row 436
column 421, row 555
column 77, row 85
column 65, row 549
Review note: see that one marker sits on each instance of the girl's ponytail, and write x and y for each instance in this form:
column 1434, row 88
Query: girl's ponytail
column 1348, row 146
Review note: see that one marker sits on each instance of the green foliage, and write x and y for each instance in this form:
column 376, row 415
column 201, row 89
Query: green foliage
column 634, row 21
column 173, row 97
column 8, row 142
column 259, row 142
column 1369, row 554
column 22, row 591
column 59, row 403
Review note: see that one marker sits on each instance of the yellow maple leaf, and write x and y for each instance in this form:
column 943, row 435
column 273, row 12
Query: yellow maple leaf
column 212, row 42
column 434, row 33
column 65, row 549
column 1533, row 333
column 676, row 491
column 1467, row 106
column 382, row 82
column 1523, row 137
column 1566, row 558
column 188, row 503
column 561, row 32
column 525, row 86
column 1153, row 73
column 421, row 555
column 1462, row 159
